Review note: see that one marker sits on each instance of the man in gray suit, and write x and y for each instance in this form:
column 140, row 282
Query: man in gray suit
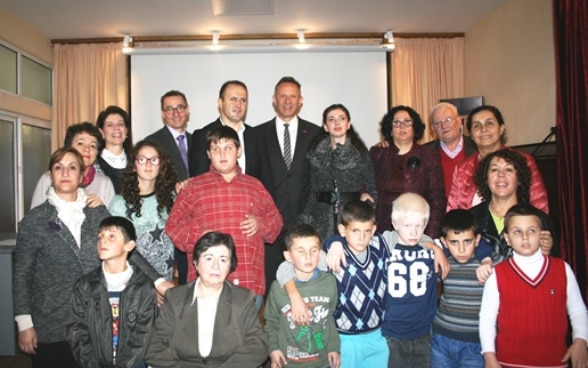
column 285, row 170
column 453, row 146
column 176, row 141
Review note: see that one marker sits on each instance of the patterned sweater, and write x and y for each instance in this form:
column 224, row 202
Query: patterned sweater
column 361, row 287
column 152, row 242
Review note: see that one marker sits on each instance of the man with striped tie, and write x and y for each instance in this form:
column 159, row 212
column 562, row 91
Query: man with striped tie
column 285, row 170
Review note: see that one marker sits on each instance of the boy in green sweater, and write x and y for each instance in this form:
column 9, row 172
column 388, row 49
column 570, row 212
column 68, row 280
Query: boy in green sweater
column 317, row 344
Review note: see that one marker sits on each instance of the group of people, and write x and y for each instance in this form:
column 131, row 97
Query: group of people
column 236, row 208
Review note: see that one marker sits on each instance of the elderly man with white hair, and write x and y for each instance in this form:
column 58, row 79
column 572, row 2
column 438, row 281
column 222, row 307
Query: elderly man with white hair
column 453, row 146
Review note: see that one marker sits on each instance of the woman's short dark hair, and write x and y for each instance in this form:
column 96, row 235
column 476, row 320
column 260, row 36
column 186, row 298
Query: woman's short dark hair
column 520, row 165
column 215, row 239
column 61, row 152
column 417, row 123
column 85, row 127
column 112, row 109
column 494, row 110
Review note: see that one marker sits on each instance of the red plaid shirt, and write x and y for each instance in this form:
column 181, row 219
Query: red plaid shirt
column 209, row 203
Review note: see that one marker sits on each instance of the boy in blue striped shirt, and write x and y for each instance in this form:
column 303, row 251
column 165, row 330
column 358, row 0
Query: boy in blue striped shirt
column 455, row 341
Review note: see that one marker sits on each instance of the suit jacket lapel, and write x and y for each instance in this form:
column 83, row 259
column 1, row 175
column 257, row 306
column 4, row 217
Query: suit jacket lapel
column 303, row 136
column 174, row 152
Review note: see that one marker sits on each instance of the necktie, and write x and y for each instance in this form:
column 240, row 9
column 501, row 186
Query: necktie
column 183, row 149
column 287, row 147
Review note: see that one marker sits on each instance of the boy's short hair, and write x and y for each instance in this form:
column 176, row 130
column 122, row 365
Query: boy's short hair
column 214, row 239
column 458, row 221
column 522, row 210
column 357, row 211
column 408, row 203
column 124, row 225
column 220, row 133
column 300, row 231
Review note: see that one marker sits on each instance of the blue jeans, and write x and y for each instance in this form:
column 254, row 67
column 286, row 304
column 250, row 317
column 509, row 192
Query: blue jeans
column 450, row 353
column 410, row 353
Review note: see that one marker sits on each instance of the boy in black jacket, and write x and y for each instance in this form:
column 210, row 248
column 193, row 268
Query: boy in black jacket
column 113, row 307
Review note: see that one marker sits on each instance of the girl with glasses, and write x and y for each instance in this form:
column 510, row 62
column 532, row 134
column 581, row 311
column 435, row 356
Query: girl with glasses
column 147, row 194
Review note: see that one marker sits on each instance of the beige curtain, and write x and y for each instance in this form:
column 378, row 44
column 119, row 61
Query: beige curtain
column 425, row 70
column 88, row 77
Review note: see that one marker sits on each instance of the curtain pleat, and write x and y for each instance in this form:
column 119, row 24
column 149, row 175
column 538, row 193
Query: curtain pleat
column 425, row 70
column 570, row 25
column 88, row 78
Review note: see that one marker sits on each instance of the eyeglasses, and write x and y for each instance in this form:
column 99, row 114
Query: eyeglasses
column 402, row 123
column 170, row 110
column 143, row 160
column 445, row 121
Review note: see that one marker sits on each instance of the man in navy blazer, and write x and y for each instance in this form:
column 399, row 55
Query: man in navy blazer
column 232, row 107
column 289, row 186
column 175, row 113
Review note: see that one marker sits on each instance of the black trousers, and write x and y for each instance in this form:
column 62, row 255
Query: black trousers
column 53, row 355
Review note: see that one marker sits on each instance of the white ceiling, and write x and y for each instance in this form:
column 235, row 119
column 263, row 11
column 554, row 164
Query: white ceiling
column 65, row 19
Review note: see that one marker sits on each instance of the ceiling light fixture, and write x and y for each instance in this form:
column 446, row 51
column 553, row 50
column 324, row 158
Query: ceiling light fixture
column 301, row 36
column 388, row 40
column 127, row 44
column 301, row 45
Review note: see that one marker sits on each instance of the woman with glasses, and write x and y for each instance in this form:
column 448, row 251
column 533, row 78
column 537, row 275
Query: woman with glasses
column 115, row 125
column 147, row 187
column 487, row 128
column 341, row 171
column 405, row 166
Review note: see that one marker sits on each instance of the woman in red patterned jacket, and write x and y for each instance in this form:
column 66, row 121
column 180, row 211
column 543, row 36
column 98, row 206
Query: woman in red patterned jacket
column 486, row 126
column 405, row 166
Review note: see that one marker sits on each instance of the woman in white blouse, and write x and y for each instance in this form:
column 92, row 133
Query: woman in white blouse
column 115, row 125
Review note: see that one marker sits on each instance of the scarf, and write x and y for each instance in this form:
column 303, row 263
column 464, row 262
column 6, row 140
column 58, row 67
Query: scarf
column 70, row 213
column 89, row 177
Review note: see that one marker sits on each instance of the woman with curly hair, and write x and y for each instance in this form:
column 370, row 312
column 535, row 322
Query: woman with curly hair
column 405, row 166
column 488, row 130
column 503, row 179
column 147, row 194
column 340, row 171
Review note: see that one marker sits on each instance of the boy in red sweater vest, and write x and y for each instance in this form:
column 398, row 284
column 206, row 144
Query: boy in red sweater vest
column 526, row 302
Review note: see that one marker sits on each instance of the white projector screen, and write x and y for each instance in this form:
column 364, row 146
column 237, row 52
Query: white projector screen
column 355, row 79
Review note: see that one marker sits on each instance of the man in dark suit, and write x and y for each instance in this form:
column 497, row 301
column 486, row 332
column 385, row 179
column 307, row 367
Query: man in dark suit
column 232, row 107
column 176, row 141
column 285, row 178
column 452, row 145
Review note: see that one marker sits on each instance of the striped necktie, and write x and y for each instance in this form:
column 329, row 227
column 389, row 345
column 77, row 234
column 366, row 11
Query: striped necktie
column 287, row 147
